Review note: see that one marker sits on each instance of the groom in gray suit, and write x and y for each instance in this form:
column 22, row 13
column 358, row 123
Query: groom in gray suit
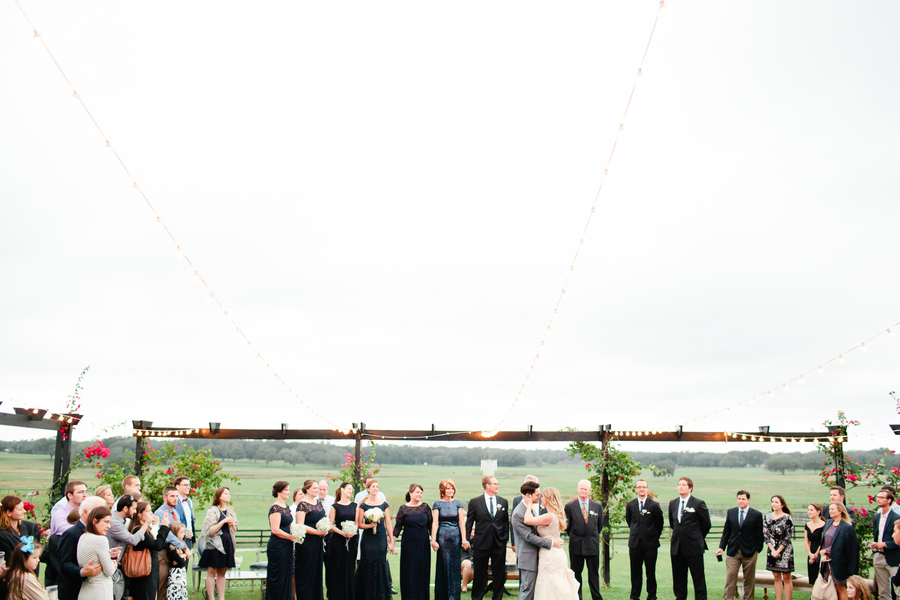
column 528, row 542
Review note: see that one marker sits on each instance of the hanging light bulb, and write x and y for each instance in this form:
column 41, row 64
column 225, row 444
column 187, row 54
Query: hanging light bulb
column 820, row 370
column 802, row 381
column 864, row 349
column 841, row 358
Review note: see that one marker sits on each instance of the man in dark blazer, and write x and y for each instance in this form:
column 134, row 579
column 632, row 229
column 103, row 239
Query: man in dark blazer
column 887, row 553
column 689, row 520
column 516, row 501
column 71, row 575
column 742, row 537
column 645, row 521
column 489, row 514
column 585, row 517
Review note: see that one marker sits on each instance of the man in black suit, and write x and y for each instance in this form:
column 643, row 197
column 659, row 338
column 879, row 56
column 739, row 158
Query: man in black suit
column 71, row 575
column 645, row 520
column 516, row 500
column 742, row 536
column 585, row 517
column 689, row 520
column 489, row 514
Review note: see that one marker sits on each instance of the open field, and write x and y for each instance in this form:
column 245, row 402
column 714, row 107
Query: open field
column 252, row 497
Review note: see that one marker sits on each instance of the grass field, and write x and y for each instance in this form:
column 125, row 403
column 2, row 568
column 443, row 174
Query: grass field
column 252, row 498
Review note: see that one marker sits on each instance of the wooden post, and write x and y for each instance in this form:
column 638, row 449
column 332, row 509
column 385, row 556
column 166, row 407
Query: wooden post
column 839, row 461
column 357, row 456
column 62, row 459
column 604, row 494
column 139, row 456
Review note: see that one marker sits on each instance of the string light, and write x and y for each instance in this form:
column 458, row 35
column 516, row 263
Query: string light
column 197, row 278
column 580, row 246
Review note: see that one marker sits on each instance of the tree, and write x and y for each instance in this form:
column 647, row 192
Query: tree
column 265, row 454
column 779, row 463
column 664, row 468
column 237, row 452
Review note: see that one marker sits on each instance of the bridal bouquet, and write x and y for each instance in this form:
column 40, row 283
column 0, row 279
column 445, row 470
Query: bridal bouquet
column 350, row 528
column 298, row 533
column 373, row 515
column 324, row 525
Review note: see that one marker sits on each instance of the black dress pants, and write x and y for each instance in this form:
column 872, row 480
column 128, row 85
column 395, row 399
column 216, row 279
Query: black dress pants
column 497, row 558
column 681, row 564
column 578, row 562
column 640, row 558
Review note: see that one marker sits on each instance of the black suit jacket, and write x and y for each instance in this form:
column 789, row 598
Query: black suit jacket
column 892, row 550
column 584, row 538
column 689, row 536
column 646, row 528
column 490, row 532
column 748, row 539
column 69, row 572
column 844, row 550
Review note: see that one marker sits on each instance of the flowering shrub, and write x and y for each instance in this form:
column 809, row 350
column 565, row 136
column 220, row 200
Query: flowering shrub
column 97, row 449
column 367, row 468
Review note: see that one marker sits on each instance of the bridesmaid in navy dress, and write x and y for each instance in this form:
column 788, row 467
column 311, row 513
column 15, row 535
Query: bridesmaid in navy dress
column 377, row 538
column 280, row 549
column 448, row 523
column 310, row 555
column 340, row 555
column 415, row 559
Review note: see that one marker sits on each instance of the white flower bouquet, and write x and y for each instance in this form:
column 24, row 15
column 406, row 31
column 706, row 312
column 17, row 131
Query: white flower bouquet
column 350, row 528
column 298, row 533
column 373, row 515
column 324, row 525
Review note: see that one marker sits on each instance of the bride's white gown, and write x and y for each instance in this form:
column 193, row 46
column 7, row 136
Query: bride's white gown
column 555, row 580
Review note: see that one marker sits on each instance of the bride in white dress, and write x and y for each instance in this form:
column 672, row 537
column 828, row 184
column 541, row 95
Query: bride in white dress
column 555, row 580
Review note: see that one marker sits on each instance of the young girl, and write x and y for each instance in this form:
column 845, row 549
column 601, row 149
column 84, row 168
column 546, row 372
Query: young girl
column 857, row 588
column 21, row 582
column 177, row 589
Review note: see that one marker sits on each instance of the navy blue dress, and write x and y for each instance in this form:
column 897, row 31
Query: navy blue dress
column 340, row 556
column 280, row 554
column 371, row 572
column 310, row 555
column 448, row 570
column 211, row 557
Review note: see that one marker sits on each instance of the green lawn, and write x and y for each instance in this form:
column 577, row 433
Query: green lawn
column 252, row 498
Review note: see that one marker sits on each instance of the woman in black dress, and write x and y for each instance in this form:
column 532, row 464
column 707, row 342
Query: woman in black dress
column 415, row 556
column 377, row 538
column 340, row 552
column 145, row 588
column 218, row 529
column 310, row 555
column 280, row 549
column 813, row 538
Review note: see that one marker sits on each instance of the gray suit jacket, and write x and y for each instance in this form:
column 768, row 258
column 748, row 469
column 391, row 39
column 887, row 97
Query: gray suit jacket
column 528, row 542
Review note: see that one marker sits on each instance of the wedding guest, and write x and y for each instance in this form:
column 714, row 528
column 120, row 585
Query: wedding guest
column 13, row 526
column 146, row 588
column 132, row 486
column 170, row 501
column 295, row 500
column 742, row 537
column 21, row 579
column 585, row 517
column 415, row 559
column 377, row 538
column 178, row 560
column 448, row 520
column 105, row 492
column 360, row 496
column 94, row 547
column 75, row 493
column 515, row 504
column 340, row 546
column 218, row 530
column 689, row 521
column 645, row 522
column 838, row 494
column 467, row 566
column 840, row 547
column 309, row 556
column 778, row 529
column 184, row 506
column 119, row 536
column 72, row 574
column 858, row 588
column 280, row 548
column 812, row 538
column 327, row 500
column 488, row 514
column 886, row 556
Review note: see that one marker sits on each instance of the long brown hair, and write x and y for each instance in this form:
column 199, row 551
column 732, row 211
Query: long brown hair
column 217, row 497
column 7, row 505
column 862, row 588
column 136, row 520
column 784, row 506
column 15, row 578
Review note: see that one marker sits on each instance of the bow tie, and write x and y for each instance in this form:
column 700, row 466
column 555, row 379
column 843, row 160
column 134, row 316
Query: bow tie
column 184, row 499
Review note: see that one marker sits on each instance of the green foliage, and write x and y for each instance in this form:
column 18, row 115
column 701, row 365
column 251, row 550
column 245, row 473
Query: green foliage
column 621, row 471
column 366, row 467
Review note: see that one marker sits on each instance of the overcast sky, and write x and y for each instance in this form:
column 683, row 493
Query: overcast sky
column 387, row 198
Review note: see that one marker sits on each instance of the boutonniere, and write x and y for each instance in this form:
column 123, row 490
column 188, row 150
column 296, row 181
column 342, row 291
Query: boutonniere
column 592, row 513
column 689, row 509
column 499, row 508
column 645, row 512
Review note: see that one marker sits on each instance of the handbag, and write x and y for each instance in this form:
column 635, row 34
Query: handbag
column 824, row 589
column 136, row 563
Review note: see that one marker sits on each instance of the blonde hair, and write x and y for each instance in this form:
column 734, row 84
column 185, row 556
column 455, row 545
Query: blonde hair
column 176, row 527
column 553, row 504
column 862, row 587
column 845, row 516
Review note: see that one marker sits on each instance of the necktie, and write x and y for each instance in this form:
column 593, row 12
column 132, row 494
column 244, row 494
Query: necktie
column 584, row 511
column 681, row 512
column 642, row 506
column 741, row 520
column 492, row 506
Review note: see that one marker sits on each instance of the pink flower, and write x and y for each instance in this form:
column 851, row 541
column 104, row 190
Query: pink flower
column 28, row 506
column 169, row 471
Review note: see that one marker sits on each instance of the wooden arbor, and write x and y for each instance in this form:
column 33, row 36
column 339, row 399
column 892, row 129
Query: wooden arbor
column 604, row 434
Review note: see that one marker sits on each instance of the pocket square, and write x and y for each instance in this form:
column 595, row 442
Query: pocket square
column 689, row 509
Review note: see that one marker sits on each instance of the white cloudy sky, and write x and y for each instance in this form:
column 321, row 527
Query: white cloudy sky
column 386, row 197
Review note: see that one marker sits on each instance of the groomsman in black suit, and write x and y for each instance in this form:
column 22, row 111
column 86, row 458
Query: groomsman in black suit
column 689, row 520
column 742, row 536
column 489, row 514
column 645, row 520
column 585, row 517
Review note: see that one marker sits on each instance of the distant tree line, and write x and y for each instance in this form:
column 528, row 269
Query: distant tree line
column 323, row 453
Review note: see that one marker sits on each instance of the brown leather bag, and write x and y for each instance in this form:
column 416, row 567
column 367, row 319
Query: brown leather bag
column 136, row 563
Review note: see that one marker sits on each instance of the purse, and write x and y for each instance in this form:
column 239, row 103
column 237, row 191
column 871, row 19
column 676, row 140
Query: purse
column 136, row 563
column 824, row 589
